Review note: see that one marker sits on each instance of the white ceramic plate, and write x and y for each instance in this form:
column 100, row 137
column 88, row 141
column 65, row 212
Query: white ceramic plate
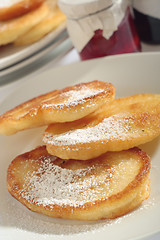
column 10, row 54
column 60, row 45
column 130, row 74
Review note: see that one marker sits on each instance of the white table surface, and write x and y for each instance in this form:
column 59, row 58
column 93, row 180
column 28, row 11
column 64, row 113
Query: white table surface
column 70, row 57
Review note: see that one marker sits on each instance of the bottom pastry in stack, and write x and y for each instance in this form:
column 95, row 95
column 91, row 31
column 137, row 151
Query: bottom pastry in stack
column 108, row 186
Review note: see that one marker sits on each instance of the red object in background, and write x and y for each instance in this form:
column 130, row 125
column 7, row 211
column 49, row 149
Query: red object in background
column 124, row 40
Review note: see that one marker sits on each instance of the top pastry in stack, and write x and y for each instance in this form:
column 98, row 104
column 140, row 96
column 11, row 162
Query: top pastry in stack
column 90, row 167
column 24, row 22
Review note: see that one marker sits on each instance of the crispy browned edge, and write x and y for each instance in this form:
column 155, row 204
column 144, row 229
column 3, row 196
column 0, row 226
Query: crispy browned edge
column 13, row 187
column 110, row 91
column 19, row 9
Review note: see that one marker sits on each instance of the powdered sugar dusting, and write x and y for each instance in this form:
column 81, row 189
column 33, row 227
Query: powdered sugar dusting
column 8, row 3
column 109, row 129
column 52, row 184
column 75, row 97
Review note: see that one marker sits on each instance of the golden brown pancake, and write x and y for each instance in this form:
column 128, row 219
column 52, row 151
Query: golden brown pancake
column 54, row 18
column 11, row 11
column 64, row 105
column 12, row 29
column 125, row 123
column 105, row 187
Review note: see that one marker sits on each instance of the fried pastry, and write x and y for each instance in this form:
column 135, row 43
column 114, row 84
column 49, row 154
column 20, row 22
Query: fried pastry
column 12, row 29
column 54, row 18
column 64, row 105
column 125, row 123
column 12, row 9
column 105, row 187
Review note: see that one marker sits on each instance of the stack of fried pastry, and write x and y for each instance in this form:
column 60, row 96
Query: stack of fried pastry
column 89, row 167
column 24, row 22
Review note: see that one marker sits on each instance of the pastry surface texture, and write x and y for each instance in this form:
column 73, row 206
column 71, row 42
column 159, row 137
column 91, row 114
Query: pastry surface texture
column 12, row 29
column 11, row 9
column 105, row 187
column 124, row 123
column 53, row 19
column 68, row 104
